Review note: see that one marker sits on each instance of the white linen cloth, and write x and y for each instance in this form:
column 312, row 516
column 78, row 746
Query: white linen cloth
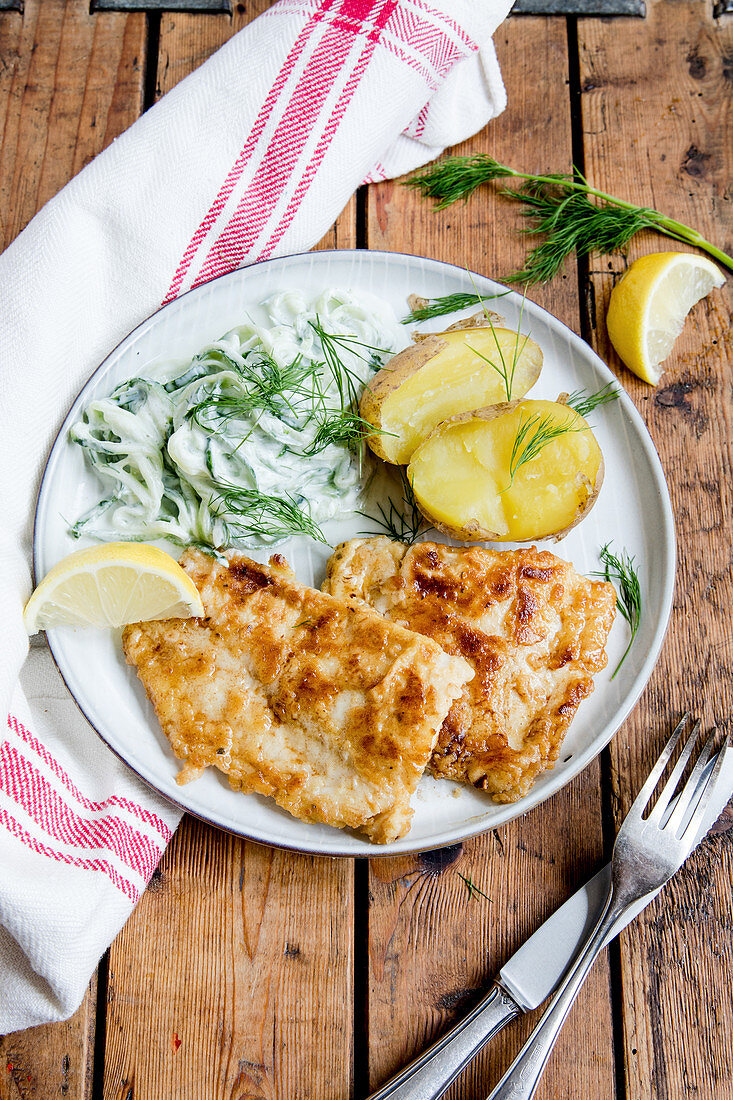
column 251, row 156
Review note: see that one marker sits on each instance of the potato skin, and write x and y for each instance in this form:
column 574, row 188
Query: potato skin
column 407, row 365
column 473, row 530
column 389, row 379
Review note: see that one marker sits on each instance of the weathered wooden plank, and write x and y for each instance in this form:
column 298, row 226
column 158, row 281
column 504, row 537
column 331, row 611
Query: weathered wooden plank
column 533, row 134
column 433, row 945
column 666, row 142
column 56, row 1060
column 234, row 975
column 68, row 85
column 71, row 82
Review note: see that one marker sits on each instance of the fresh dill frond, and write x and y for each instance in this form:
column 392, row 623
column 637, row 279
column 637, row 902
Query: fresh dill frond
column 571, row 223
column 249, row 512
column 566, row 210
column 344, row 429
column 506, row 371
column 456, row 178
column 402, row 521
column 585, row 403
column 349, row 343
column 620, row 571
column 472, row 887
column 533, row 435
column 348, row 382
column 270, row 387
column 451, row 303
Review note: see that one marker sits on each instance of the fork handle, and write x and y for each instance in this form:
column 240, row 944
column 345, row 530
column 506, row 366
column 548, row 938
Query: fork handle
column 523, row 1076
column 429, row 1076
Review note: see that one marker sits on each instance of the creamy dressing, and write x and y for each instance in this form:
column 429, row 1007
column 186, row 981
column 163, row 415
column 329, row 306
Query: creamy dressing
column 198, row 451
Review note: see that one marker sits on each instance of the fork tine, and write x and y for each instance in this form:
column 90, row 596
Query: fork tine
column 693, row 825
column 639, row 803
column 686, row 801
column 675, row 775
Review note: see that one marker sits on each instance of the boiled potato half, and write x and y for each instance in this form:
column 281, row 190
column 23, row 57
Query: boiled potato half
column 514, row 472
column 443, row 375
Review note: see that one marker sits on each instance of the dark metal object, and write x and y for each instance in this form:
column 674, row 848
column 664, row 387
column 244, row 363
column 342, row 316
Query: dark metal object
column 11, row 5
column 582, row 7
column 722, row 7
column 210, row 6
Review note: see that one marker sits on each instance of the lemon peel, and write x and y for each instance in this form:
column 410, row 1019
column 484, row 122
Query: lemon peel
column 649, row 305
column 111, row 585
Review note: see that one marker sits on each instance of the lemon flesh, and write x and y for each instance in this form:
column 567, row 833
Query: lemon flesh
column 649, row 304
column 111, row 585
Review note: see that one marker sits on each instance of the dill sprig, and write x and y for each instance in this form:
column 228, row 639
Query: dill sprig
column 347, row 381
column 451, row 303
column 402, row 521
column 344, row 429
column 270, row 387
column 472, row 887
column 620, row 571
column 534, row 434
column 506, row 371
column 571, row 215
column 249, row 512
column 585, row 403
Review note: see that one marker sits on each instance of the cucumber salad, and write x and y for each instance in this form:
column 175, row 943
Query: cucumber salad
column 253, row 440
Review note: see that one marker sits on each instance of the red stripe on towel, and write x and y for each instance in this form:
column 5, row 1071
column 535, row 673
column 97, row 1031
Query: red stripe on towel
column 325, row 68
column 419, row 35
column 41, row 849
column 115, row 800
column 329, row 130
column 30, row 790
column 242, row 160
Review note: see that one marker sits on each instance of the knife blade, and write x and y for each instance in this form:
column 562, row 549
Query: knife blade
column 535, row 970
column 531, row 975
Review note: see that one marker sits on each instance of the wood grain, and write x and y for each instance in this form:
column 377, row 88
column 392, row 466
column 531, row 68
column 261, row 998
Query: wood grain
column 433, row 945
column 69, row 83
column 534, row 132
column 234, row 976
column 55, row 1060
column 667, row 143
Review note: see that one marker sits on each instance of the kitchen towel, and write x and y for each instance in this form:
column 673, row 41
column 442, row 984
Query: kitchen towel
column 253, row 155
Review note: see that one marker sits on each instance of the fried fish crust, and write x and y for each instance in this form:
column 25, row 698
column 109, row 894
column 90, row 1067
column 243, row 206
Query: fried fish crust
column 533, row 629
column 323, row 705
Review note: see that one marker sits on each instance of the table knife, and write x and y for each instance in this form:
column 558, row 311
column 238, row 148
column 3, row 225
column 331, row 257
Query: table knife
column 522, row 984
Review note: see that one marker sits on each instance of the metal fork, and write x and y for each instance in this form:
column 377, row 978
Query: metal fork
column 646, row 854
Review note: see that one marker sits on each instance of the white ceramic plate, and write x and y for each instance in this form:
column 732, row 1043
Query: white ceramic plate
column 633, row 511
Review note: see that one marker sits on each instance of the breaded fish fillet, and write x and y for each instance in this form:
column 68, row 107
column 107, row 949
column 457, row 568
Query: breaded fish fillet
column 533, row 629
column 325, row 706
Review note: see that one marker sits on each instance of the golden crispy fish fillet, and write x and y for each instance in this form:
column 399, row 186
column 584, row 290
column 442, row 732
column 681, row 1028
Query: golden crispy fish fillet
column 533, row 629
column 324, row 706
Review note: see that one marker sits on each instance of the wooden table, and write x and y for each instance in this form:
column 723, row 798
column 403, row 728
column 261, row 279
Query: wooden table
column 249, row 973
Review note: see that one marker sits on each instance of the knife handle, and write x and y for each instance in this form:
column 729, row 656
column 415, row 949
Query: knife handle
column 434, row 1071
column 523, row 1076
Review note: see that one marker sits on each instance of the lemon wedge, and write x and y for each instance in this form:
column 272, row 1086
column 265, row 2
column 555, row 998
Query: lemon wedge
column 649, row 304
column 111, row 585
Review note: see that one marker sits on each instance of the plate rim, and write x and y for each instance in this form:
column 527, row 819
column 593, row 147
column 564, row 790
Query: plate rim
column 508, row 811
